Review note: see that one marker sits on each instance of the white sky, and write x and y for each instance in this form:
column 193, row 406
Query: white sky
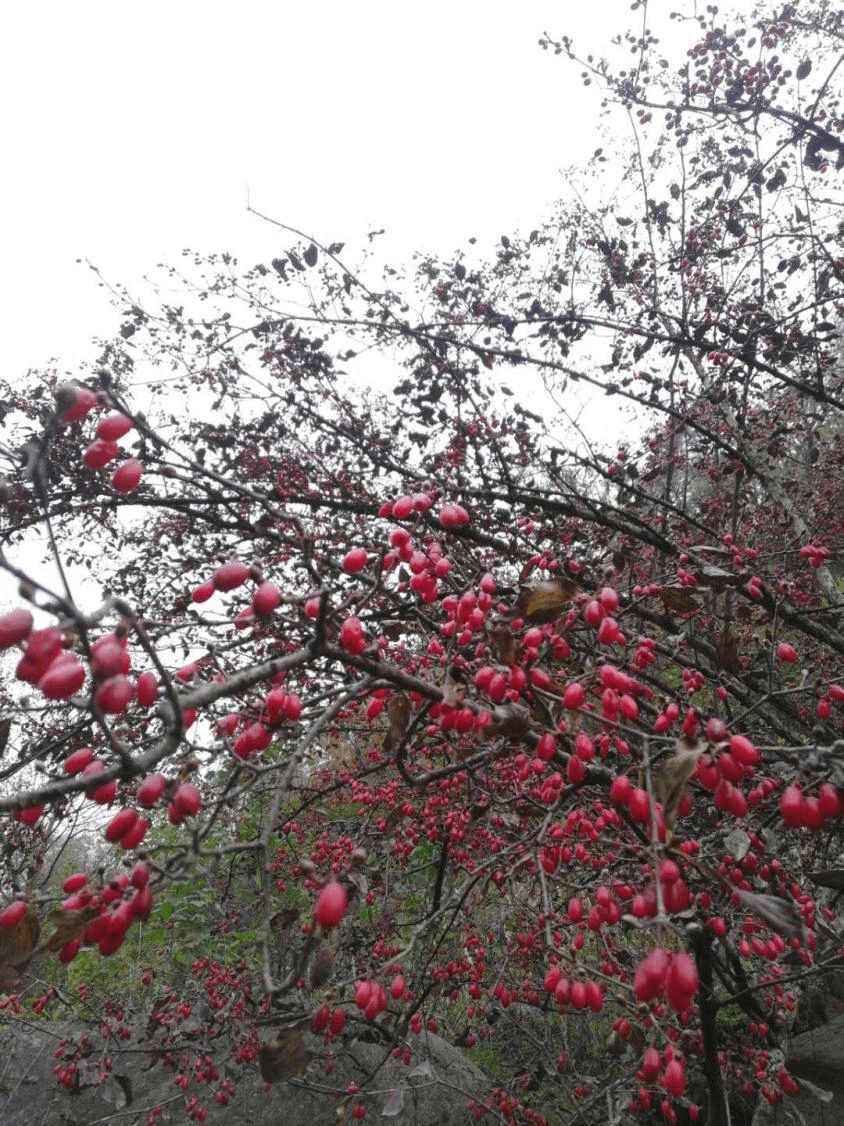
column 132, row 131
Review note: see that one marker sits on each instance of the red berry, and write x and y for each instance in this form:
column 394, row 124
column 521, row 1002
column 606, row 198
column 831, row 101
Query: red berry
column 266, row 599
column 151, row 789
column 744, row 751
column 230, row 575
column 453, row 516
column 203, row 593
column 829, row 800
column 187, row 799
column 78, row 760
column 675, row 1078
column 650, row 977
column 397, row 987
column 791, row 806
column 73, row 402
column 114, row 695
column 351, row 636
column 620, row 790
column 331, row 904
column 320, row 1019
column 120, row 824
column 574, row 696
column 651, row 1065
column 146, row 690
column 354, row 560
column 682, row 982
column 15, row 627
column 114, row 426
column 786, row 652
column 13, row 914
column 69, row 951
column 546, row 747
column 100, row 453
column 74, row 883
column 639, row 806
column 126, row 477
column 28, row 816
column 135, row 835
column 62, row 679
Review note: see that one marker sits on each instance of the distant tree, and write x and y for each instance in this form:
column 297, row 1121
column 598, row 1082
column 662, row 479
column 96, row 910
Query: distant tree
column 412, row 709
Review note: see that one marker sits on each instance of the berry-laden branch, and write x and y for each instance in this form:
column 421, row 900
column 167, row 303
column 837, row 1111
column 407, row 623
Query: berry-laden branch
column 409, row 711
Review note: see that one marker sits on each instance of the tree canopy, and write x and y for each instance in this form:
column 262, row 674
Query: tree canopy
column 405, row 705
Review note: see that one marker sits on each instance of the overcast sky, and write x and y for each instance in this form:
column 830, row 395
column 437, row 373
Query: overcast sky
column 132, row 131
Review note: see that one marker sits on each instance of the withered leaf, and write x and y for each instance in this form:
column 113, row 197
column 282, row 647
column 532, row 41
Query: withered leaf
column 451, row 689
column 512, row 720
column 780, row 914
column 398, row 710
column 829, row 878
column 285, row 1057
column 394, row 1103
column 678, row 599
column 737, row 843
column 322, row 966
column 393, row 817
column 545, row 602
column 5, row 728
column 726, row 651
column 717, row 579
column 17, row 946
column 672, row 778
column 284, row 919
column 506, row 646
column 69, row 925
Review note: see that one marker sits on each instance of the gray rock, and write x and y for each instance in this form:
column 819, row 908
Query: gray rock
column 432, row 1090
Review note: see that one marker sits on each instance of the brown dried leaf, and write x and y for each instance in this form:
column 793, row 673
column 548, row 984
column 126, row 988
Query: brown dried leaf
column 5, row 728
column 672, row 778
column 285, row 1057
column 399, row 709
column 451, row 689
column 726, row 651
column 17, row 945
column 322, row 966
column 284, row 919
column 506, row 646
column 678, row 599
column 69, row 925
column 829, row 878
column 511, row 720
column 394, row 816
column 717, row 579
column 780, row 914
column 545, row 602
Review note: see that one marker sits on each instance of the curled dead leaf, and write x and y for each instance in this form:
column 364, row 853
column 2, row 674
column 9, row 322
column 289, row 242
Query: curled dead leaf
column 17, row 945
column 781, row 915
column 399, row 711
column 510, row 720
column 322, row 966
column 545, row 602
column 671, row 779
column 284, row 919
column 393, row 817
column 678, row 599
column 829, row 878
column 506, row 646
column 284, row 1057
column 726, row 652
column 69, row 925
